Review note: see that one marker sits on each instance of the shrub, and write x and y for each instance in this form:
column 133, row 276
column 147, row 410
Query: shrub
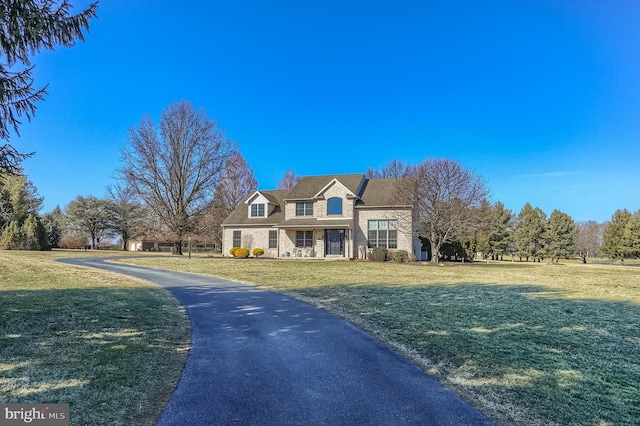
column 379, row 254
column 257, row 252
column 401, row 256
column 73, row 242
column 232, row 251
column 242, row 253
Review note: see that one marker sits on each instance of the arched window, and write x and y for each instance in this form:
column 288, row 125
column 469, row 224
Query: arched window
column 334, row 206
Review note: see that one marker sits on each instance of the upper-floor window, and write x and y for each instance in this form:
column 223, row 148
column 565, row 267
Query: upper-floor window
column 304, row 209
column 257, row 210
column 334, row 206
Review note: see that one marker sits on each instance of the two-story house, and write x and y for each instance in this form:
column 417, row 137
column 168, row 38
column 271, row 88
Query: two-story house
column 337, row 216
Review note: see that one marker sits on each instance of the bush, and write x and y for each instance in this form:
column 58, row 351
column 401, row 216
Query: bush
column 257, row 252
column 232, row 252
column 379, row 254
column 242, row 253
column 73, row 242
column 401, row 256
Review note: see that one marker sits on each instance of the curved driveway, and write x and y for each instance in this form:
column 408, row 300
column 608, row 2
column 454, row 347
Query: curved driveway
column 261, row 358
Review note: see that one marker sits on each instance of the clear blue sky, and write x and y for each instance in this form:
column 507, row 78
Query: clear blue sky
column 539, row 98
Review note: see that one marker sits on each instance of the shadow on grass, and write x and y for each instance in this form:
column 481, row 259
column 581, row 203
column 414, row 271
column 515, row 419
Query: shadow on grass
column 568, row 361
column 113, row 354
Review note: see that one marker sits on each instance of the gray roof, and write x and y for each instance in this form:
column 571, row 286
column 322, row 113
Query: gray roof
column 316, row 223
column 309, row 186
column 240, row 216
column 385, row 192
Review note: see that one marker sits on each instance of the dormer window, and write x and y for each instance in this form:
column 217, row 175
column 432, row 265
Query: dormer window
column 257, row 210
column 334, row 206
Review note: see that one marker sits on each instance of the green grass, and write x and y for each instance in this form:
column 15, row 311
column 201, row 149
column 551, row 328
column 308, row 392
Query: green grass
column 525, row 343
column 110, row 346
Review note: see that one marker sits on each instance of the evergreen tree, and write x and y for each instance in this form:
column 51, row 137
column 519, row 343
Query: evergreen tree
column 27, row 27
column 530, row 233
column 631, row 237
column 613, row 239
column 560, row 236
column 53, row 223
column 501, row 233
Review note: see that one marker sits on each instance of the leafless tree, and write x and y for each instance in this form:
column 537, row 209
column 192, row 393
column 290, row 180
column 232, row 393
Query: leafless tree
column 395, row 169
column 448, row 198
column 589, row 238
column 129, row 218
column 235, row 184
column 176, row 168
column 289, row 180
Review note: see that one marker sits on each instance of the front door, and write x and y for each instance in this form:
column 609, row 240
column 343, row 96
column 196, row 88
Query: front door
column 335, row 242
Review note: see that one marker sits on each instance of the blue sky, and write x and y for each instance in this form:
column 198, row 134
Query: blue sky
column 539, row 98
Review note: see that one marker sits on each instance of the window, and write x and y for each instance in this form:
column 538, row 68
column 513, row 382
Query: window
column 304, row 209
column 304, row 239
column 257, row 210
column 237, row 238
column 334, row 206
column 383, row 233
column 273, row 239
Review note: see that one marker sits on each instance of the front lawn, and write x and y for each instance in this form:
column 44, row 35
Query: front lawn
column 525, row 343
column 112, row 347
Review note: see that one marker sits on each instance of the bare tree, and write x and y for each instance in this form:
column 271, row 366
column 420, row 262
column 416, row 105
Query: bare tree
column 289, row 180
column 175, row 169
column 235, row 184
column 448, row 198
column 128, row 213
column 395, row 169
column 589, row 239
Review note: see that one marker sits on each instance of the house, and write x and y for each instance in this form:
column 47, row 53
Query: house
column 335, row 216
column 147, row 243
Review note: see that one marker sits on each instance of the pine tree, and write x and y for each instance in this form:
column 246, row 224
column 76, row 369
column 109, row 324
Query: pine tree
column 54, row 224
column 29, row 26
column 613, row 240
column 529, row 233
column 631, row 236
column 501, row 233
column 560, row 236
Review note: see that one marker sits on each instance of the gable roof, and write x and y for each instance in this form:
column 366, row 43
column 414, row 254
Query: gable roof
column 385, row 192
column 310, row 186
column 239, row 216
column 266, row 194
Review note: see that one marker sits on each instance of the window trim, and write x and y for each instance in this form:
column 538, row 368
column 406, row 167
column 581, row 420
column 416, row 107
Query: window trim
column 237, row 238
column 304, row 208
column 273, row 239
column 382, row 233
column 306, row 238
column 257, row 210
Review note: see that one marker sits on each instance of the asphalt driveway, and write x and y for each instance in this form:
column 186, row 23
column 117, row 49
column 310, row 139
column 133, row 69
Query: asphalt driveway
column 260, row 358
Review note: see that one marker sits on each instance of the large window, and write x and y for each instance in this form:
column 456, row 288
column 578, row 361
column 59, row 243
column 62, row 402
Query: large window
column 334, row 206
column 304, row 209
column 383, row 233
column 257, row 210
column 273, row 239
column 237, row 238
column 304, row 239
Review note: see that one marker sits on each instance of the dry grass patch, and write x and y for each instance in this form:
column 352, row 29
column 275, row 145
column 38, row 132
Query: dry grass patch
column 525, row 343
column 112, row 347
